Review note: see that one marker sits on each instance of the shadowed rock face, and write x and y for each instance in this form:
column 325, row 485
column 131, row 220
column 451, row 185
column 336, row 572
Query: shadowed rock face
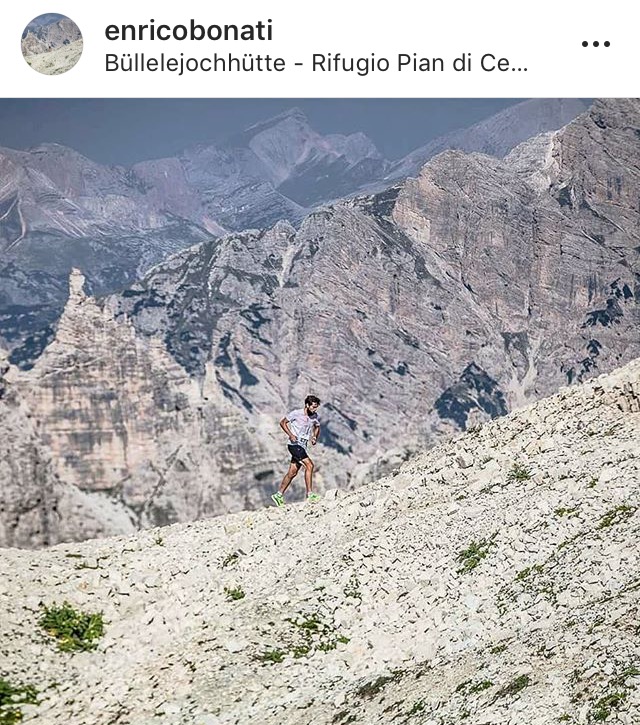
column 461, row 294
column 59, row 209
column 130, row 433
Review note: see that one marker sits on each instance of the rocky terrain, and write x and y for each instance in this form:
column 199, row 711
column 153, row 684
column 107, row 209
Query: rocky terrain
column 496, row 135
column 57, row 61
column 59, row 209
column 493, row 579
column 136, row 442
column 449, row 299
column 115, row 223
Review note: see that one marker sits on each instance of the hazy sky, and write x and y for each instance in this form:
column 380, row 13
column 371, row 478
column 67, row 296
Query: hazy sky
column 123, row 131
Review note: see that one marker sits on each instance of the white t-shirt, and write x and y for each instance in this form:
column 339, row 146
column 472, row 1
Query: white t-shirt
column 302, row 425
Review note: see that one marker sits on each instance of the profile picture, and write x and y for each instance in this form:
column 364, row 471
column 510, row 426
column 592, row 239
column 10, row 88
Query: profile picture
column 51, row 44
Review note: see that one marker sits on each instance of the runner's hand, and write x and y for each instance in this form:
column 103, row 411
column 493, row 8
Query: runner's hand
column 313, row 441
column 293, row 439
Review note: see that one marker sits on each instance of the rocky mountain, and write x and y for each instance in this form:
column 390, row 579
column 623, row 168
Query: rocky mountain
column 135, row 440
column 496, row 135
column 449, row 299
column 464, row 293
column 491, row 580
column 47, row 36
column 273, row 170
column 59, row 209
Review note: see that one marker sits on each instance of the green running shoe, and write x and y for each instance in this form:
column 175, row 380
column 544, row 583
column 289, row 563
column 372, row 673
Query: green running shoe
column 313, row 497
column 278, row 498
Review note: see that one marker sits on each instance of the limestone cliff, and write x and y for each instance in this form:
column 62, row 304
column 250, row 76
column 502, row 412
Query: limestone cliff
column 123, row 426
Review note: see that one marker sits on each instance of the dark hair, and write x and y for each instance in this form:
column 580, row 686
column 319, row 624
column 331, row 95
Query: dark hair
column 311, row 399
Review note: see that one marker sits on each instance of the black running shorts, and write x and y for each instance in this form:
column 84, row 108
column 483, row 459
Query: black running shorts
column 298, row 453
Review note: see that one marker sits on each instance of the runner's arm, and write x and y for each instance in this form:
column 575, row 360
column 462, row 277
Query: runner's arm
column 316, row 434
column 284, row 424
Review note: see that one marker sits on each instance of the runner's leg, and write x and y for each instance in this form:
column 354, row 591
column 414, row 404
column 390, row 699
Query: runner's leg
column 289, row 476
column 308, row 474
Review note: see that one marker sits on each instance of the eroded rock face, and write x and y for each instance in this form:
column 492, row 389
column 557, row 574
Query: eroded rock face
column 453, row 297
column 127, row 429
column 38, row 507
column 115, row 223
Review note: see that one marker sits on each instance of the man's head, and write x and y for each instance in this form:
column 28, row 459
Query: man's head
column 312, row 403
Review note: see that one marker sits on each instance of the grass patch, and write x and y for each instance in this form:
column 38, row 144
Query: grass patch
column 565, row 511
column 11, row 697
column 317, row 635
column 525, row 573
column 74, row 631
column 469, row 687
column 620, row 680
column 308, row 634
column 518, row 472
column 480, row 686
column 474, row 554
column 605, row 706
column 514, row 687
column 234, row 593
column 616, row 516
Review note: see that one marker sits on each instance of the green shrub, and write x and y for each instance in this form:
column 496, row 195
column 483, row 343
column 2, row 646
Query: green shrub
column 73, row 630
column 514, row 687
column 605, row 705
column 616, row 516
column 473, row 555
column 271, row 655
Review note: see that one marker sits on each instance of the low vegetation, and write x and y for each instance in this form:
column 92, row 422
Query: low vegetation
column 234, row 593
column 616, row 516
column 11, row 698
column 73, row 630
column 518, row 472
column 474, row 554
column 309, row 633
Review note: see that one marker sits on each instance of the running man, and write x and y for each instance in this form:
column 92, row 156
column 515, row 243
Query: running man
column 303, row 427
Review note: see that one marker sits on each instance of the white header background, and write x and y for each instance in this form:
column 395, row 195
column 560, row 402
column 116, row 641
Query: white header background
column 543, row 36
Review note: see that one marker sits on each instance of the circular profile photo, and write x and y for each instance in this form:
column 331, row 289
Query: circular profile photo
column 52, row 44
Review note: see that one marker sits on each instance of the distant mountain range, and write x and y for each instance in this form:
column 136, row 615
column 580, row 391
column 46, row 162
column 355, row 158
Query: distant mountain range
column 59, row 209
